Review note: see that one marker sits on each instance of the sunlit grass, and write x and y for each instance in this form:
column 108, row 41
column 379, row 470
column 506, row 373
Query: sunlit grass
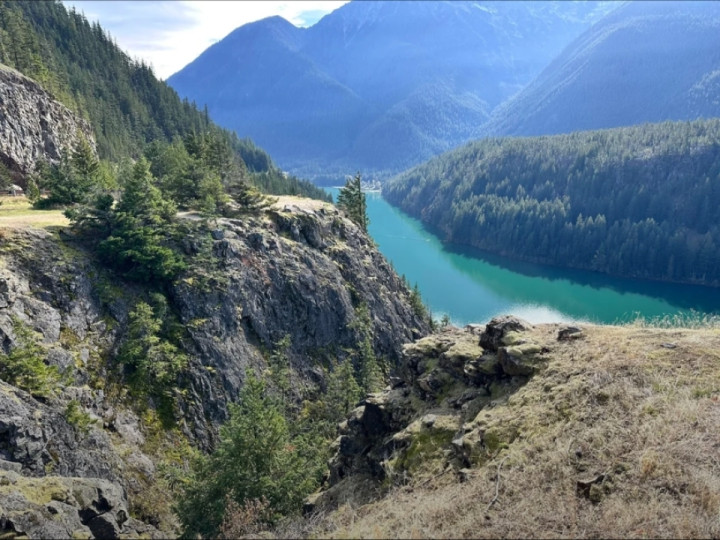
column 616, row 406
column 17, row 212
column 692, row 319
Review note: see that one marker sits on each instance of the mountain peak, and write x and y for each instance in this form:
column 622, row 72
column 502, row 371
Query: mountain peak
column 345, row 93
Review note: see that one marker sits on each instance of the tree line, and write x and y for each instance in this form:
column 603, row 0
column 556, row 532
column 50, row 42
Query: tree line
column 80, row 64
column 641, row 202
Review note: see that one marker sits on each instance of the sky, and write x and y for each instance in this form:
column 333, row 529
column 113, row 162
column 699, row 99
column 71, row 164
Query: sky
column 169, row 34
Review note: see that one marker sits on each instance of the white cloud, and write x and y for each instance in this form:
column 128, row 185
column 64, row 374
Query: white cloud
column 170, row 34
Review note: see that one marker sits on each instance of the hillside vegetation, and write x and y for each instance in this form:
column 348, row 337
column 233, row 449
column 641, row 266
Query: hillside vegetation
column 634, row 202
column 80, row 64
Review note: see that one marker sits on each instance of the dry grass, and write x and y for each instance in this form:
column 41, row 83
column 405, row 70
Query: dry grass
column 300, row 203
column 640, row 406
column 16, row 212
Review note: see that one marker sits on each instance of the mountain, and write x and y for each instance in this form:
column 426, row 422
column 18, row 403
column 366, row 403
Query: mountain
column 378, row 86
column 645, row 62
column 638, row 202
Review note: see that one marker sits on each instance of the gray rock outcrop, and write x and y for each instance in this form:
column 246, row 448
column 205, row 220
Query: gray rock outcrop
column 430, row 419
column 33, row 125
column 300, row 269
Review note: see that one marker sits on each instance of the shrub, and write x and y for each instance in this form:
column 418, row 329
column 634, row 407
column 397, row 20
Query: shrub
column 256, row 459
column 25, row 365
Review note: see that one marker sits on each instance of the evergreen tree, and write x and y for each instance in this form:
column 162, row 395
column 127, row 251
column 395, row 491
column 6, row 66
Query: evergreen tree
column 142, row 229
column 352, row 200
column 281, row 372
column 246, row 197
column 343, row 391
column 84, row 161
column 153, row 363
column 25, row 366
column 256, row 459
column 370, row 373
column 93, row 218
column 73, row 180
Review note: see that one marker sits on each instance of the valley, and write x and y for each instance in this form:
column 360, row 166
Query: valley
column 513, row 332
column 384, row 85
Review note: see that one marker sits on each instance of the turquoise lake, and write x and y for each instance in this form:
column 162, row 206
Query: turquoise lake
column 470, row 286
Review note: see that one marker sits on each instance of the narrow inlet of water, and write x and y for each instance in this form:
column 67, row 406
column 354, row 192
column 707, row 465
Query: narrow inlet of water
column 471, row 287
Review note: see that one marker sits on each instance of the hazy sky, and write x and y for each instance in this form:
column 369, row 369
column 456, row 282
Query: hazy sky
column 169, row 34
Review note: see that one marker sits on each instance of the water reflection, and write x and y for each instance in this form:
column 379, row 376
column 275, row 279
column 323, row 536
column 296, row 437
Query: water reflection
column 472, row 286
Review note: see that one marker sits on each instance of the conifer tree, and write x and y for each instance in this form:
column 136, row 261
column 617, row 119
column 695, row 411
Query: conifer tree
column 343, row 391
column 352, row 200
column 257, row 458
column 154, row 362
column 142, row 227
column 370, row 373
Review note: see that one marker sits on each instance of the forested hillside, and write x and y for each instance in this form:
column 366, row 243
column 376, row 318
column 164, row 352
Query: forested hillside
column 127, row 106
column 378, row 86
column 639, row 201
column 645, row 62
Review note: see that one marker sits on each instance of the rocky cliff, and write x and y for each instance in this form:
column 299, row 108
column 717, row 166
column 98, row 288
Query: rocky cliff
column 33, row 125
column 82, row 454
column 426, row 422
column 515, row 431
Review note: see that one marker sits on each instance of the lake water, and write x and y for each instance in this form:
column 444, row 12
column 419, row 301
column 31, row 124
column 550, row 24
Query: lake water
column 473, row 287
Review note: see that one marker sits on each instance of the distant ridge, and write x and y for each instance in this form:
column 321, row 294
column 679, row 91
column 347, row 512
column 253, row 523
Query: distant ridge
column 645, row 62
column 378, row 86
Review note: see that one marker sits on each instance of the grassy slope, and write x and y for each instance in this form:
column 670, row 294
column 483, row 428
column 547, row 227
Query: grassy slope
column 638, row 405
column 17, row 212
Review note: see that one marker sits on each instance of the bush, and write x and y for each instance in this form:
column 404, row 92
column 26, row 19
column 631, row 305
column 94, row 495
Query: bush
column 257, row 459
column 78, row 418
column 25, row 365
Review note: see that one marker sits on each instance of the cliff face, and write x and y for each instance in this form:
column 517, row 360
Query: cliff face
column 425, row 423
column 300, row 270
column 33, row 126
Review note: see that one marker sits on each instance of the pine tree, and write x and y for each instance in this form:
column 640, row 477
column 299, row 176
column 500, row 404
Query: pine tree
column 352, row 200
column 142, row 226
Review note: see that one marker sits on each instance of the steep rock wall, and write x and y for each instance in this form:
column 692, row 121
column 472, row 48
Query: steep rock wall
column 301, row 270
column 34, row 126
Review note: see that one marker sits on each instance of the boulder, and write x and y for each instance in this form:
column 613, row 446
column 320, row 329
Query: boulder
column 65, row 507
column 497, row 330
column 568, row 333
column 519, row 359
